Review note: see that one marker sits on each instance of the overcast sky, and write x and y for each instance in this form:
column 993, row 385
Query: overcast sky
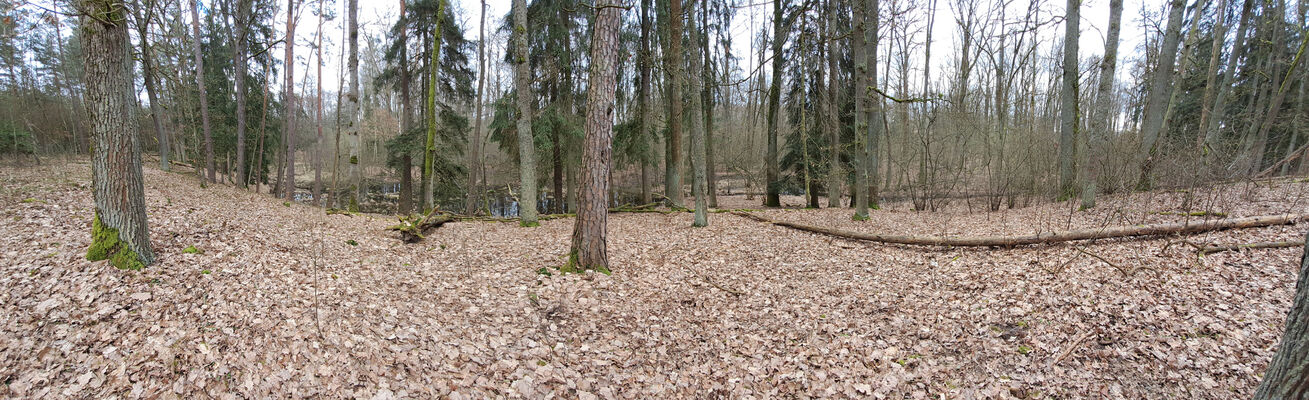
column 377, row 16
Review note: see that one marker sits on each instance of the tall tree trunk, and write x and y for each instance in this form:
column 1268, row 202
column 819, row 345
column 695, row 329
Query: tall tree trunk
column 772, row 169
column 876, row 116
column 429, row 171
column 1103, row 101
column 406, row 115
column 1161, row 88
column 709, row 85
column 836, row 175
column 1286, row 375
column 526, row 147
column 263, row 131
column 1275, row 105
column 1219, row 37
column 150, row 76
column 288, row 131
column 697, row 110
column 588, row 247
column 204, row 96
column 644, row 96
column 243, row 11
column 673, row 71
column 1210, row 125
column 1068, row 101
column 859, row 195
column 119, row 232
column 475, row 144
column 352, row 116
column 318, row 115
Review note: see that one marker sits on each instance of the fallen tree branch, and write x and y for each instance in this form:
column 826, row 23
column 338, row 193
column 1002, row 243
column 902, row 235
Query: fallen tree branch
column 1073, row 345
column 1191, row 227
column 1210, row 249
column 711, row 282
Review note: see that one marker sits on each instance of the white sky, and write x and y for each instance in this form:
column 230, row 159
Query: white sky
column 376, row 16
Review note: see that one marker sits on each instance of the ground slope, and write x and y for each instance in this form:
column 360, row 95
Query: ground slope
column 280, row 303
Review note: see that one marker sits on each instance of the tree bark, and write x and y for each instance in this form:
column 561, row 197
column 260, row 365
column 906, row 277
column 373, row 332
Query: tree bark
column 475, row 142
column 675, row 75
column 773, row 170
column 526, row 145
column 204, row 96
column 406, row 114
column 1192, row 227
column 1103, row 101
column 434, row 67
column 243, row 11
column 695, row 84
column 1287, row 376
column 836, row 175
column 1068, row 101
column 119, row 232
column 644, row 97
column 288, row 131
column 1161, row 88
column 588, row 246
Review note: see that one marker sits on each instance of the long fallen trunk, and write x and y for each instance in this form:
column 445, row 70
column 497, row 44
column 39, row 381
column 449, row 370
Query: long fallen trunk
column 1049, row 237
column 1214, row 248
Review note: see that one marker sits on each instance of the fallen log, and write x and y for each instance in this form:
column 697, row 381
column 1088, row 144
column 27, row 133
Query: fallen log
column 1191, row 227
column 412, row 230
column 1213, row 248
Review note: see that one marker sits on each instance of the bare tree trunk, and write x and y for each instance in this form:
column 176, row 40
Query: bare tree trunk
column 644, row 97
column 1068, row 101
column 475, row 144
column 588, row 247
column 318, row 115
column 149, row 75
column 1286, row 375
column 773, row 169
column 1103, row 99
column 674, row 73
column 836, row 174
column 695, row 84
column 876, row 117
column 859, row 197
column 352, row 99
column 526, row 148
column 406, row 115
column 119, row 232
column 429, row 200
column 1211, row 74
column 288, row 132
column 204, row 96
column 708, row 86
column 243, row 12
column 1219, row 104
column 1161, row 88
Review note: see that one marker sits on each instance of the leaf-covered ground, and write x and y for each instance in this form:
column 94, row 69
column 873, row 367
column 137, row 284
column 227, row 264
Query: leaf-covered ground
column 285, row 301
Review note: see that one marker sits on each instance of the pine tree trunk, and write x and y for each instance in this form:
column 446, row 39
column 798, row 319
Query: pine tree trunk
column 1068, row 101
column 588, row 247
column 674, row 73
column 204, row 96
column 288, row 132
column 1161, row 88
column 119, row 232
column 526, row 147
column 1287, row 376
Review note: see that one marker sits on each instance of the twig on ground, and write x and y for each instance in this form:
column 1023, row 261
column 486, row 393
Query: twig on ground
column 1073, row 345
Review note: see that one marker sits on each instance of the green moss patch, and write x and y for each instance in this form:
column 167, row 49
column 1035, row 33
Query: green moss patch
column 105, row 245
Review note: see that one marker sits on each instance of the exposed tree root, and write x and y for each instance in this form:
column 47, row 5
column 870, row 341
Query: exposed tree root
column 1192, row 227
column 1214, row 248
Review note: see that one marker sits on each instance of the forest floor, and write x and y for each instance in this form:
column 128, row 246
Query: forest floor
column 285, row 301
